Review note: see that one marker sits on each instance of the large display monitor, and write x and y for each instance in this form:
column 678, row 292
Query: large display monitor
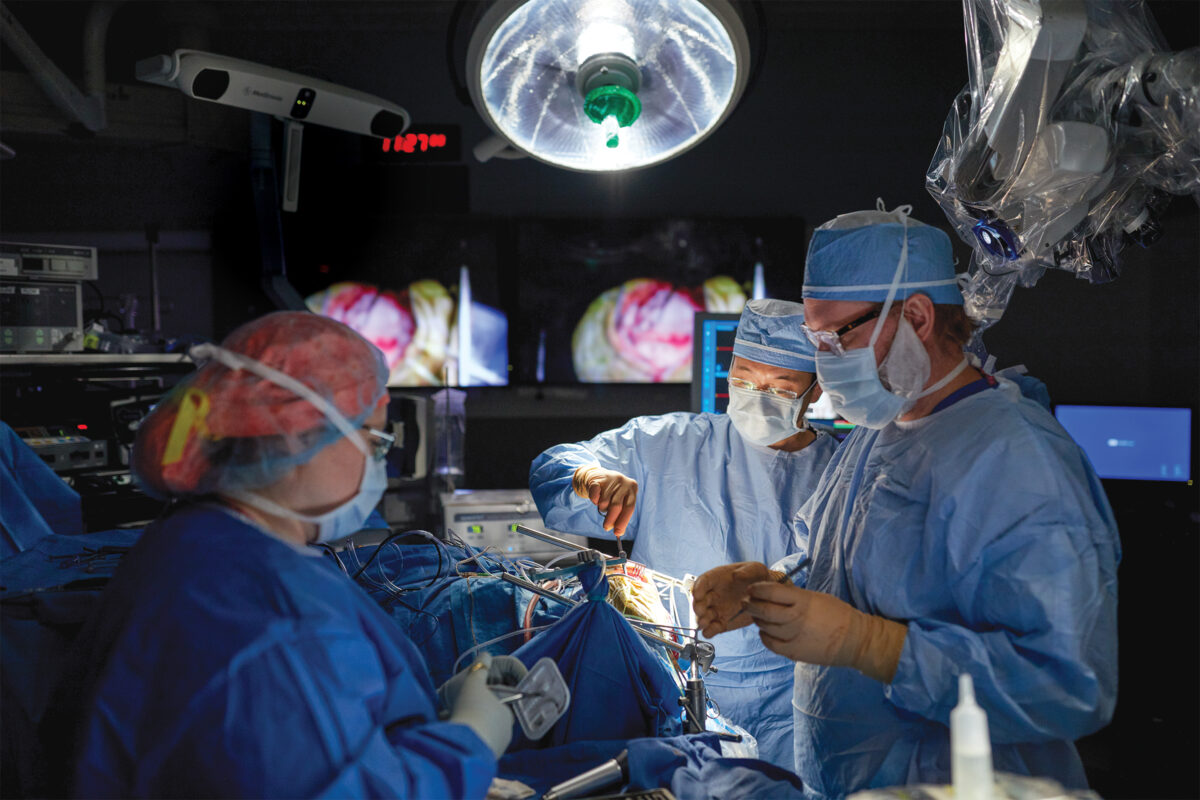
column 614, row 300
column 1132, row 442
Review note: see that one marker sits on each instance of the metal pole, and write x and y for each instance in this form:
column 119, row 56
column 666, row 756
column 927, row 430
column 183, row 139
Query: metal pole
column 152, row 245
column 551, row 539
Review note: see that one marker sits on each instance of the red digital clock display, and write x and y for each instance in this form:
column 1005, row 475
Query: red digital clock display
column 414, row 142
column 424, row 143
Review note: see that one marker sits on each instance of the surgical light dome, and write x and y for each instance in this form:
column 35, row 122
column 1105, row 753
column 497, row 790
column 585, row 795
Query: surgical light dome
column 603, row 85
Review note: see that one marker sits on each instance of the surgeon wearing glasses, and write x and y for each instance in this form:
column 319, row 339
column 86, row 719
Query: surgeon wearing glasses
column 695, row 491
column 228, row 657
column 957, row 529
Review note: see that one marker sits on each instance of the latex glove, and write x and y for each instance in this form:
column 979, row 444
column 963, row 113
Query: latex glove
column 501, row 671
column 818, row 628
column 614, row 493
column 720, row 595
column 477, row 706
column 506, row 671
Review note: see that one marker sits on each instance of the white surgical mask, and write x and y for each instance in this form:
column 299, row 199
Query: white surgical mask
column 763, row 419
column 340, row 522
column 905, row 370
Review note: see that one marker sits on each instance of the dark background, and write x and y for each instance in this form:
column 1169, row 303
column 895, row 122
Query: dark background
column 847, row 103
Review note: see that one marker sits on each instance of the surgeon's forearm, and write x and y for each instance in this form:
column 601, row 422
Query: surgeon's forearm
column 878, row 644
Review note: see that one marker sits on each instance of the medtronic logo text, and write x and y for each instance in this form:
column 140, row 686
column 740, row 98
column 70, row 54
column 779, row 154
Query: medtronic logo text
column 265, row 95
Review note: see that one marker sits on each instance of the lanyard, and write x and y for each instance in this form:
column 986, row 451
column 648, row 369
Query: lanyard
column 975, row 387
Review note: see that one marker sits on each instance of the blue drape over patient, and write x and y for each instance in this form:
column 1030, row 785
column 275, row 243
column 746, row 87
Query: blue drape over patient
column 37, row 502
column 416, row 581
column 620, row 689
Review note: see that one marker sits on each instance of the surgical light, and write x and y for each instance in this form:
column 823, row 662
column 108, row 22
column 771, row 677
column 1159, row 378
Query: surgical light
column 603, row 85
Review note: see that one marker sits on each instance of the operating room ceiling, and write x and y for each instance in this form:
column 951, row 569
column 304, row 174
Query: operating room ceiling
column 845, row 103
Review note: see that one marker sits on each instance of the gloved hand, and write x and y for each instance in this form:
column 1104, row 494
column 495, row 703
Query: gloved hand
column 720, row 594
column 477, row 706
column 612, row 492
column 818, row 628
column 506, row 671
column 501, row 671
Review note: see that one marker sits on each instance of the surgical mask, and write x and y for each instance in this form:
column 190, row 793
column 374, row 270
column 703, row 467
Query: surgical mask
column 763, row 419
column 852, row 380
column 905, row 370
column 336, row 523
column 340, row 522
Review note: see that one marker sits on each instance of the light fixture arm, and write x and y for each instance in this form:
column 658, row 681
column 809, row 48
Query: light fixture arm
column 86, row 107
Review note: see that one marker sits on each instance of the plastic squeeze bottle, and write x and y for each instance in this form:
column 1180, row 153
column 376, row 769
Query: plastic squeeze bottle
column 970, row 747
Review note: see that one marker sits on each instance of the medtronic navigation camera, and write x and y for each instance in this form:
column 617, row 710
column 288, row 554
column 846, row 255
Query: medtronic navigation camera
column 287, row 95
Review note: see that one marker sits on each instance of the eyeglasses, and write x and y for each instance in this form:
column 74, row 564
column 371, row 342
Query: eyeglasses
column 832, row 340
column 381, row 442
column 748, row 386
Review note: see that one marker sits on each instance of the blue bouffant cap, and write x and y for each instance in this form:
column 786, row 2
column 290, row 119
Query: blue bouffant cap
column 769, row 332
column 854, row 257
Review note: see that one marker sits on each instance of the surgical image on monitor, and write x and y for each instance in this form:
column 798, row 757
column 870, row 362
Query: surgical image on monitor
column 614, row 301
column 641, row 331
column 427, row 291
column 420, row 330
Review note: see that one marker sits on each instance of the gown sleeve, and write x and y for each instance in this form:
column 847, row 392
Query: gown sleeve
column 1035, row 597
column 625, row 449
column 317, row 715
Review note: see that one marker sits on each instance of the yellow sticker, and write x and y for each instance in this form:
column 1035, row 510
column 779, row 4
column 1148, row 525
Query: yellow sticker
column 193, row 410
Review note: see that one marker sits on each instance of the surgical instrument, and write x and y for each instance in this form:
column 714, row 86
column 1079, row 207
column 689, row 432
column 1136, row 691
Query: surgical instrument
column 612, row 771
column 791, row 573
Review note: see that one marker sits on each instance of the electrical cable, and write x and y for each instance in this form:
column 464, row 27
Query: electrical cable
column 674, row 628
column 329, row 551
column 490, row 642
column 527, row 619
column 389, row 587
column 552, row 585
column 436, row 622
column 472, row 557
column 99, row 295
column 397, row 535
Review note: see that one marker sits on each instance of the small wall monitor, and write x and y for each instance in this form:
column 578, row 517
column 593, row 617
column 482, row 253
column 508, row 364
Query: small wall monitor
column 1132, row 443
column 712, row 352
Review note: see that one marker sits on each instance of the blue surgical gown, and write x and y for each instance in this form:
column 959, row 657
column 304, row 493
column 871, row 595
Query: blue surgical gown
column 224, row 662
column 706, row 497
column 984, row 529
